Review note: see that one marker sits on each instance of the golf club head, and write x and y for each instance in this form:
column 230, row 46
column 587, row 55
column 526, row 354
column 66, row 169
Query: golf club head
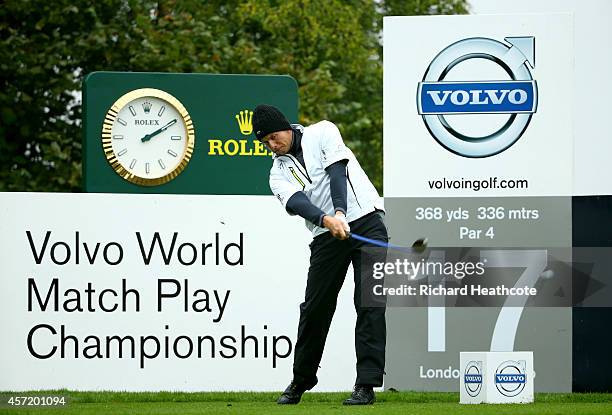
column 420, row 245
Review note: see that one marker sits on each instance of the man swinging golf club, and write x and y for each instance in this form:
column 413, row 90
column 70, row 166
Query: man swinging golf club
column 314, row 175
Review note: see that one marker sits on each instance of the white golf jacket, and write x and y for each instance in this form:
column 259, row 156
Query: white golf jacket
column 322, row 146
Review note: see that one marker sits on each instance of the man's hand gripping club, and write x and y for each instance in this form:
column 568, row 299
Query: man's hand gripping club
column 337, row 225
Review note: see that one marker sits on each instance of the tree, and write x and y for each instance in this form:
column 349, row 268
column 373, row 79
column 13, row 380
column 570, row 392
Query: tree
column 423, row 7
column 331, row 47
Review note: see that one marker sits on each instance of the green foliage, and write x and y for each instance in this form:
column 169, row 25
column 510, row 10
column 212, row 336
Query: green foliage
column 330, row 47
column 423, row 7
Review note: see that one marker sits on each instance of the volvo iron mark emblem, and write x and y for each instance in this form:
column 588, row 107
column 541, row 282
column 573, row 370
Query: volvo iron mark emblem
column 517, row 96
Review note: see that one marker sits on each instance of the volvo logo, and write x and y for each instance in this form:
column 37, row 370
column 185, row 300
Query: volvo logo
column 517, row 97
column 472, row 378
column 510, row 377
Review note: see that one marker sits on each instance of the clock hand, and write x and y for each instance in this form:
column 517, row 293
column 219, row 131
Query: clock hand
column 165, row 127
column 160, row 130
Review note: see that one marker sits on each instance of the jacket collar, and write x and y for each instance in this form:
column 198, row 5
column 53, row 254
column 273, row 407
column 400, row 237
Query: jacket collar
column 298, row 131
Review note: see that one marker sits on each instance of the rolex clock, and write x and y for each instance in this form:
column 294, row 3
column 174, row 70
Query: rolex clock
column 148, row 137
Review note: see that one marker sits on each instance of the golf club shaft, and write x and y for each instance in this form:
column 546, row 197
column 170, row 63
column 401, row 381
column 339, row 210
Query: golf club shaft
column 376, row 242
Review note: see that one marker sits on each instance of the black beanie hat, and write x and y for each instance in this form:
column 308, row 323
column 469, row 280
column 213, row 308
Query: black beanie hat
column 268, row 119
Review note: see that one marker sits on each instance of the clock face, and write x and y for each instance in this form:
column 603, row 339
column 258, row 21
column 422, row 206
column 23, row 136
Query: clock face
column 148, row 137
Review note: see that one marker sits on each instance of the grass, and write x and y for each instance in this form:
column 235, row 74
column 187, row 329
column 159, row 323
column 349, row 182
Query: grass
column 235, row 403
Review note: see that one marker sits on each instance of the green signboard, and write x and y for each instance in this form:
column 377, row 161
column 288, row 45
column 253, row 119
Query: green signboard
column 178, row 133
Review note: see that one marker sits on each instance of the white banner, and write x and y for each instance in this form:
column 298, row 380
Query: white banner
column 478, row 105
column 157, row 292
column 479, row 152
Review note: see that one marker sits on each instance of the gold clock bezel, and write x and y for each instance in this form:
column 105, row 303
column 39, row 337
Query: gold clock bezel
column 110, row 118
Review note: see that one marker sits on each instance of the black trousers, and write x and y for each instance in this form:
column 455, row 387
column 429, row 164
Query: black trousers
column 329, row 261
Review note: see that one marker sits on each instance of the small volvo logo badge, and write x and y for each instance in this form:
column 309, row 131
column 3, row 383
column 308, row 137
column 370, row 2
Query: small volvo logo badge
column 517, row 96
column 472, row 378
column 510, row 377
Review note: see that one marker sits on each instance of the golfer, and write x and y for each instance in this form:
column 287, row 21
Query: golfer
column 314, row 175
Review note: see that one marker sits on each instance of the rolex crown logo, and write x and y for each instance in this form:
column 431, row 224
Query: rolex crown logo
column 245, row 121
column 146, row 106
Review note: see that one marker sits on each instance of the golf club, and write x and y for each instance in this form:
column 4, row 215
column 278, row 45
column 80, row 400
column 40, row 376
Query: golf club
column 418, row 246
